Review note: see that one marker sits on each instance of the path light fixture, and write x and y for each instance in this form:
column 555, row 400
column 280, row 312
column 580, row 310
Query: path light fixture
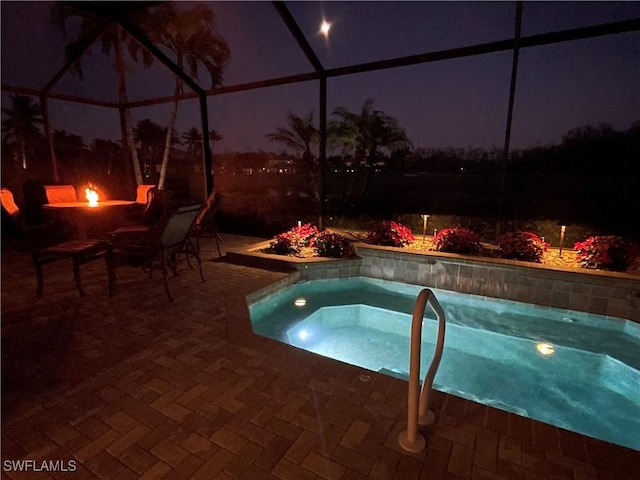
column 562, row 230
column 425, row 219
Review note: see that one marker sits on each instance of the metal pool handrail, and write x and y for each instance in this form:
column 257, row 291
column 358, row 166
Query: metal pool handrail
column 418, row 401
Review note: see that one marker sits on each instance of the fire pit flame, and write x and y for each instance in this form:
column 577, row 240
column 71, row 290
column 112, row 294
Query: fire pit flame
column 92, row 195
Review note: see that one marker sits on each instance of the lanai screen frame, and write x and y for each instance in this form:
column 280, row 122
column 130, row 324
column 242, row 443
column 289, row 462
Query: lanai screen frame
column 319, row 73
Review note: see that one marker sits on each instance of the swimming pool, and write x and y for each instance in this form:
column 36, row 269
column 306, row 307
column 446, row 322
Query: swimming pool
column 574, row 370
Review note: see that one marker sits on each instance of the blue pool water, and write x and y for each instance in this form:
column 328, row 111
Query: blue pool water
column 575, row 370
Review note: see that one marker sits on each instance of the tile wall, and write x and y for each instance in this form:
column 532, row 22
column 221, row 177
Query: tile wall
column 606, row 293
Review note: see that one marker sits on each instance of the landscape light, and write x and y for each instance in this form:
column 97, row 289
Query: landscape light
column 425, row 219
column 562, row 230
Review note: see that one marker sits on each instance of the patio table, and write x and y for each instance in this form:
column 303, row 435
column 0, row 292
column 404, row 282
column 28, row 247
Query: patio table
column 79, row 212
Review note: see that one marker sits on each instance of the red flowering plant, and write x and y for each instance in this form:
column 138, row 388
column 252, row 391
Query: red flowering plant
column 457, row 240
column 390, row 234
column 329, row 244
column 525, row 246
column 603, row 251
column 293, row 241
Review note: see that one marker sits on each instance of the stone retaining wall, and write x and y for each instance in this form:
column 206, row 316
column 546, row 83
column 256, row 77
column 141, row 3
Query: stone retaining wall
column 606, row 293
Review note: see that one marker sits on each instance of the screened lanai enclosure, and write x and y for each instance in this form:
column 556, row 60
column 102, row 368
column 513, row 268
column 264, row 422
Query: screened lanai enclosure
column 334, row 113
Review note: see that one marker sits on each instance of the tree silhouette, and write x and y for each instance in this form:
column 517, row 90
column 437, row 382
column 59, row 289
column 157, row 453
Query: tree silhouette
column 114, row 39
column 106, row 149
column 192, row 139
column 149, row 137
column 299, row 136
column 20, row 125
column 214, row 137
column 68, row 142
column 192, row 37
column 367, row 133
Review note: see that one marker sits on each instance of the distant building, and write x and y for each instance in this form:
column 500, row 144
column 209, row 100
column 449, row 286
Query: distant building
column 282, row 166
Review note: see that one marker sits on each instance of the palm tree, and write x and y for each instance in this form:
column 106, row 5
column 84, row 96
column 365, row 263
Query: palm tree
column 68, row 143
column 149, row 136
column 20, row 125
column 106, row 149
column 214, row 137
column 192, row 37
column 192, row 139
column 368, row 133
column 114, row 39
column 299, row 136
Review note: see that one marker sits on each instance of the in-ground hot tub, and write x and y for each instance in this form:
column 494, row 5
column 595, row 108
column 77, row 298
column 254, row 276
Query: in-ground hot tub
column 572, row 369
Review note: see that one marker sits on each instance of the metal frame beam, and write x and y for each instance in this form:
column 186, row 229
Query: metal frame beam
column 293, row 27
column 507, row 134
column 72, row 61
column 105, row 10
column 492, row 47
column 626, row 26
column 57, row 96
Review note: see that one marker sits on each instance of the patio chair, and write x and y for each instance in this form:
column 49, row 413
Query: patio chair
column 205, row 222
column 160, row 248
column 8, row 202
column 137, row 225
column 42, row 230
column 143, row 201
column 35, row 196
column 78, row 251
column 142, row 194
column 61, row 193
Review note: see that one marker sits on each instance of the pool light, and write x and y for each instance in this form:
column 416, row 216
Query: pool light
column 300, row 302
column 545, row 348
column 303, row 334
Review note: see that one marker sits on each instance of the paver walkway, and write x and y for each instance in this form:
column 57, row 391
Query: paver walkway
column 135, row 387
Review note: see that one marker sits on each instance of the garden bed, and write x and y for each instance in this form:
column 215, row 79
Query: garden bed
column 550, row 258
column 559, row 282
column 520, row 267
column 259, row 255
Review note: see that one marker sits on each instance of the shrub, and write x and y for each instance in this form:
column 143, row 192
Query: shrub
column 390, row 234
column 456, row 240
column 525, row 246
column 329, row 244
column 604, row 251
column 293, row 241
column 282, row 245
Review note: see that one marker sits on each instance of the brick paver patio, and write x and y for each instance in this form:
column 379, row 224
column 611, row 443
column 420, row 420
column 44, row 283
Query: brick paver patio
column 135, row 387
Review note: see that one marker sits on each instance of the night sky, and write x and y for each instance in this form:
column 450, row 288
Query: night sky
column 460, row 103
